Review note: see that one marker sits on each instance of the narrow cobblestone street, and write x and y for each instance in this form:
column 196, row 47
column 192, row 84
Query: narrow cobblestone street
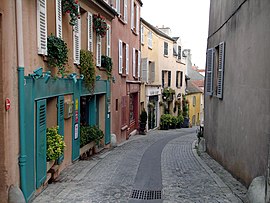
column 162, row 166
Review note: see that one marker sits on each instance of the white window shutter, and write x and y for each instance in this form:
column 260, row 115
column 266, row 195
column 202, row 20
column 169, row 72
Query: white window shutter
column 144, row 76
column 42, row 26
column 77, row 41
column 139, row 63
column 138, row 19
column 209, row 72
column 58, row 18
column 118, row 6
column 125, row 11
column 142, row 34
column 127, row 59
column 152, row 69
column 134, row 62
column 132, row 14
column 108, row 39
column 98, row 54
column 90, row 31
column 220, row 70
column 120, row 61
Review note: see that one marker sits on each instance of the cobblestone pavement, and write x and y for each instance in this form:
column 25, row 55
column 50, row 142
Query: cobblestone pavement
column 109, row 176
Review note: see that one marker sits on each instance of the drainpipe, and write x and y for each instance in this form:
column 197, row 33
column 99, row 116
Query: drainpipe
column 20, row 54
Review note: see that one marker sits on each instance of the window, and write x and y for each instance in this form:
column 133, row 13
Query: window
column 142, row 34
column 166, row 78
column 166, row 48
column 116, row 105
column 108, row 42
column 77, row 41
column 194, row 101
column 151, row 71
column 123, row 58
column 124, row 111
column 135, row 17
column 150, row 40
column 179, row 79
column 179, row 52
column 136, row 62
column 42, row 27
column 131, row 108
column 215, row 71
column 58, row 18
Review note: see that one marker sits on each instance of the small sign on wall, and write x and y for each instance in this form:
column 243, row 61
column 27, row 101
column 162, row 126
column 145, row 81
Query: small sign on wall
column 76, row 131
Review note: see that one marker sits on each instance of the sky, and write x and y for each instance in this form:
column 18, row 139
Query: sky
column 188, row 19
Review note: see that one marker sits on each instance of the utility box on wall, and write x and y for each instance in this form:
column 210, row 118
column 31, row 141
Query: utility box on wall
column 68, row 109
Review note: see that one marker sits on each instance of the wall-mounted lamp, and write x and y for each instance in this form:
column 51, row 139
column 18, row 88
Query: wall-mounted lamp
column 73, row 77
column 82, row 76
column 37, row 73
column 98, row 77
column 47, row 76
column 113, row 79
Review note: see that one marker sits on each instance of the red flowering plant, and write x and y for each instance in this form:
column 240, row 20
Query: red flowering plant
column 71, row 7
column 100, row 25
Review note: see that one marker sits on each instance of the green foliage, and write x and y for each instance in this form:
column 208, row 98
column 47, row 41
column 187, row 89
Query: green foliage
column 87, row 68
column 100, row 25
column 168, row 93
column 106, row 62
column 174, row 120
column 143, row 116
column 55, row 144
column 57, row 53
column 185, row 107
column 165, row 120
column 89, row 134
column 71, row 7
column 180, row 120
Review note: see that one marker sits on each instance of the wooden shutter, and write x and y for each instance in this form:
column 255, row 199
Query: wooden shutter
column 177, row 78
column 144, row 76
column 181, row 78
column 90, row 31
column 132, row 14
column 120, row 57
column 77, row 41
column 108, row 37
column 138, row 19
column 59, row 18
column 169, row 78
column 134, row 62
column 60, row 121
column 139, row 63
column 127, row 59
column 42, row 26
column 41, row 144
column 209, row 72
column 152, row 72
column 98, row 54
column 220, row 70
column 125, row 11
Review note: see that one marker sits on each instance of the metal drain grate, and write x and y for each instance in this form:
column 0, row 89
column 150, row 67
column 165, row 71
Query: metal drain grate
column 147, row 195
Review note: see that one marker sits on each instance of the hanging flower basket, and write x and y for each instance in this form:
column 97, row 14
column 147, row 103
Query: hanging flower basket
column 100, row 25
column 71, row 7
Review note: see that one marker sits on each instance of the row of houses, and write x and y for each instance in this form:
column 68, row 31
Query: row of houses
column 60, row 67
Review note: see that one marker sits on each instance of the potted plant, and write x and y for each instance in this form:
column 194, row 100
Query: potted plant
column 100, row 25
column 173, row 122
column 165, row 121
column 106, row 63
column 185, row 113
column 180, row 121
column 143, row 120
column 71, row 7
column 55, row 144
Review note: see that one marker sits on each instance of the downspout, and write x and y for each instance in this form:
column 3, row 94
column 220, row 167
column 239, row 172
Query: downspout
column 20, row 54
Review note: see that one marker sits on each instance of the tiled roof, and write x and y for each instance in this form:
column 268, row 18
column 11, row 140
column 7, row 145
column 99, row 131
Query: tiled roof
column 192, row 88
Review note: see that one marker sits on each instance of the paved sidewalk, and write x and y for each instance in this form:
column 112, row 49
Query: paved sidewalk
column 111, row 175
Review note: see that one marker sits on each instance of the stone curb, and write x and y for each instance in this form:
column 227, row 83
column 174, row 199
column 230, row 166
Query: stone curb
column 214, row 176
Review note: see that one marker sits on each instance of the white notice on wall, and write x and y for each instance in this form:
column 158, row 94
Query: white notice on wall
column 76, row 135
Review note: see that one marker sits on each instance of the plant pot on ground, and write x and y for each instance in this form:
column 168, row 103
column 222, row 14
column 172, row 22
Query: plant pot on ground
column 165, row 121
column 143, row 120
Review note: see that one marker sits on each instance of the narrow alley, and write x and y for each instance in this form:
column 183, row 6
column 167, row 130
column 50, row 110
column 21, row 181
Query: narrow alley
column 162, row 166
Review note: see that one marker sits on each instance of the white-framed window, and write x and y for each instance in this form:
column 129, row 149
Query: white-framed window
column 166, row 48
column 132, row 14
column 123, row 59
column 98, row 54
column 42, row 26
column 58, row 18
column 142, row 34
column 90, row 31
column 117, row 5
column 150, row 40
column 135, row 17
column 77, row 41
column 108, row 41
column 136, row 63
column 125, row 11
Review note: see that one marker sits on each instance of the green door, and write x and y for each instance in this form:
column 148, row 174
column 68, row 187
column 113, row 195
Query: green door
column 41, row 170
column 60, row 121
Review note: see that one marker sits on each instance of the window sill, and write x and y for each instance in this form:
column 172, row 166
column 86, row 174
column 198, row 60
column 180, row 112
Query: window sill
column 150, row 48
column 121, row 19
column 134, row 32
column 167, row 56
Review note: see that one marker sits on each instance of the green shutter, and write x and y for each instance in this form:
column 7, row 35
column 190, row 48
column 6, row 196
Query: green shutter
column 41, row 170
column 60, row 121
